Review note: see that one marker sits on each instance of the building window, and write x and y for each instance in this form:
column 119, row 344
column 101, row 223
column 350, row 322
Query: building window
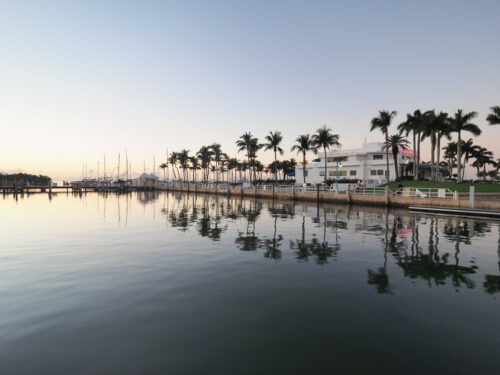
column 332, row 159
column 322, row 173
column 380, row 172
column 334, row 173
column 378, row 157
column 352, row 173
column 373, row 172
column 306, row 174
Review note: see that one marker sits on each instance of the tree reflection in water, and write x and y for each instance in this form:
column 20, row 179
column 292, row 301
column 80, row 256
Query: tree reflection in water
column 320, row 251
column 400, row 236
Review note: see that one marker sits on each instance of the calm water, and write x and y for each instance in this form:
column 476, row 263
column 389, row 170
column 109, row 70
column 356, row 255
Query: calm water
column 178, row 284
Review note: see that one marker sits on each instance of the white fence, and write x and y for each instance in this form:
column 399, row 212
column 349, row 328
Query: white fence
column 423, row 193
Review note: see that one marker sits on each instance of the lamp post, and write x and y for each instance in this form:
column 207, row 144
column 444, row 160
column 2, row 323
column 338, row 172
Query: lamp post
column 339, row 165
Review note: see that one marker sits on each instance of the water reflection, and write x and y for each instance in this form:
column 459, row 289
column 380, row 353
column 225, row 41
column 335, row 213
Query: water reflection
column 432, row 251
column 419, row 256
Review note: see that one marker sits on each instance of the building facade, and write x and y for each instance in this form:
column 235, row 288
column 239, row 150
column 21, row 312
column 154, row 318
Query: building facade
column 366, row 164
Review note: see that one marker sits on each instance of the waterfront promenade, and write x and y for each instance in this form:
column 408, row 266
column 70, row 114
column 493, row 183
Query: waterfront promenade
column 379, row 196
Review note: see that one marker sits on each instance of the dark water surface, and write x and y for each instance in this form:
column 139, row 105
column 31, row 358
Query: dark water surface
column 178, row 284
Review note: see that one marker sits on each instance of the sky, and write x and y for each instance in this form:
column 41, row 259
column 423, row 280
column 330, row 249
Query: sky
column 80, row 79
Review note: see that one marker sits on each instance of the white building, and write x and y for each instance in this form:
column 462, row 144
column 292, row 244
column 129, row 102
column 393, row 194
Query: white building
column 366, row 164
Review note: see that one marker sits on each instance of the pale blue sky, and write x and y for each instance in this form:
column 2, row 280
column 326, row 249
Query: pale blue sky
column 80, row 78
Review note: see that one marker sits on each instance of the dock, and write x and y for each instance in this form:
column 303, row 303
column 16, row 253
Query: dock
column 453, row 211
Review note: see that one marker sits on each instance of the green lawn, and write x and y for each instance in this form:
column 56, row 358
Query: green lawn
column 480, row 188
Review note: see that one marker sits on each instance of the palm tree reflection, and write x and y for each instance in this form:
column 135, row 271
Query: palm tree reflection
column 320, row 251
column 431, row 261
column 248, row 241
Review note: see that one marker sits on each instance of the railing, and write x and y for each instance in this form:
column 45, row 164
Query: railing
column 371, row 191
column 423, row 193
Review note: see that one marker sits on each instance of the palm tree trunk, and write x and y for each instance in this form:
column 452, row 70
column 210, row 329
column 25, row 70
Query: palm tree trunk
column 438, row 152
column 459, row 158
column 396, row 171
column 414, row 156
column 387, row 155
column 275, row 163
column 463, row 166
column 418, row 156
column 324, row 148
column 433, row 149
column 304, row 166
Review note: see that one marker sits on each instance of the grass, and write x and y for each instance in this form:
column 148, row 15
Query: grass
column 464, row 187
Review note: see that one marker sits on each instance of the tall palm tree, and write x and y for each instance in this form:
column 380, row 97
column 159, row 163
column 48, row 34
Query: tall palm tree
column 433, row 125
column 217, row 157
column 411, row 125
column 183, row 157
column 494, row 117
column 396, row 142
column 247, row 142
column 205, row 155
column 444, row 131
column 303, row 144
column 382, row 123
column 173, row 160
column 273, row 143
column 459, row 123
column 324, row 138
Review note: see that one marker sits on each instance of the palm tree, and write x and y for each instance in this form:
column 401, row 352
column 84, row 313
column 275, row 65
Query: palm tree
column 173, row 159
column 217, row 157
column 462, row 122
column 273, row 143
column 494, row 117
column 183, row 157
column 259, row 167
column 396, row 142
column 232, row 164
column 382, row 123
column 483, row 157
column 450, row 154
column 288, row 166
column 411, row 125
column 163, row 166
column 468, row 148
column 205, row 155
column 325, row 139
column 444, row 131
column 247, row 142
column 434, row 124
column 195, row 165
column 304, row 144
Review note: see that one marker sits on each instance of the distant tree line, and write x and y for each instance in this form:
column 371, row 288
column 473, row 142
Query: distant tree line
column 24, row 178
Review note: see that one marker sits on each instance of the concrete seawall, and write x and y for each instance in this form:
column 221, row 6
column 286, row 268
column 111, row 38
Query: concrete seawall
column 344, row 198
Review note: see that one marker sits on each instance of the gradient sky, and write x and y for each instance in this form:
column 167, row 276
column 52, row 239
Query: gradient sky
column 83, row 78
